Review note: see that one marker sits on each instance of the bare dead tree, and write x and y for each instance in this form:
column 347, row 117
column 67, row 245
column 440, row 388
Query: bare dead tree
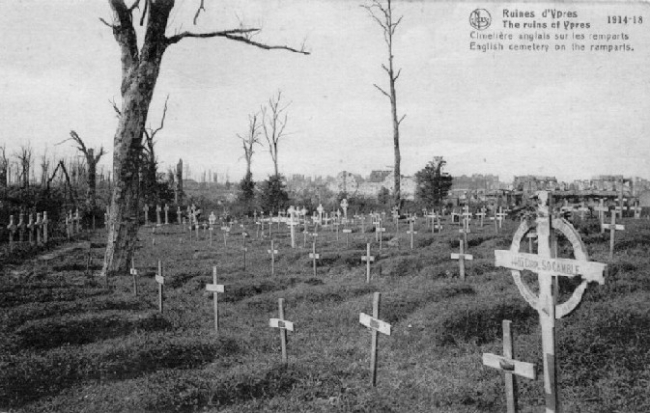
column 91, row 173
column 140, row 71
column 251, row 138
column 383, row 15
column 149, row 169
column 274, row 122
column 24, row 157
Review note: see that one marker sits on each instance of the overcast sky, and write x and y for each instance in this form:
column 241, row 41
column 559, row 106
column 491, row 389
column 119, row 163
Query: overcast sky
column 571, row 115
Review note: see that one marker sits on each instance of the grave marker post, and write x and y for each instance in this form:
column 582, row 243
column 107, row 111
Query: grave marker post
column 461, row 257
column 215, row 288
column 45, row 223
column 613, row 227
column 30, row 228
column 344, row 207
column 314, row 256
column 166, row 214
column 273, row 252
column 37, row 226
column 481, row 215
column 637, row 210
column 12, row 231
column 283, row 325
column 376, row 325
column 547, row 268
column 347, row 231
column 145, row 208
column 179, row 215
column 158, row 219
column 411, row 232
column 368, row 259
column 292, row 224
column 510, row 367
column 530, row 235
column 134, row 274
column 601, row 208
column 160, row 279
column 21, row 227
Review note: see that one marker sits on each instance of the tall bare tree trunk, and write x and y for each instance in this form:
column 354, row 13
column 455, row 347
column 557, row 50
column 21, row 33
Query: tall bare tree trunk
column 139, row 75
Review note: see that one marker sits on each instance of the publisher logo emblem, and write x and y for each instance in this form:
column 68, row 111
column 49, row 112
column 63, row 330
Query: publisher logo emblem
column 480, row 19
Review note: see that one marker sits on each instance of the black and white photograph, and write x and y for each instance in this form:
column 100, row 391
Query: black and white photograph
column 350, row 206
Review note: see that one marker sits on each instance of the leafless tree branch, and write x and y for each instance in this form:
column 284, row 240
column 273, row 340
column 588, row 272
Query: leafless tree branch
column 198, row 11
column 382, row 91
column 238, row 35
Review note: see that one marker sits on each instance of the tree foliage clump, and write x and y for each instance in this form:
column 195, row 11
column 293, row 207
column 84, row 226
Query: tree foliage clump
column 273, row 194
column 433, row 185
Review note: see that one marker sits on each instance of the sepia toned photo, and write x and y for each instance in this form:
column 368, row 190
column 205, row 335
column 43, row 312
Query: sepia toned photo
column 367, row 206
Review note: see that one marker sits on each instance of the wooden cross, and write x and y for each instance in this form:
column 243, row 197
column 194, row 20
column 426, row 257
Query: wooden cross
column 146, row 214
column 467, row 217
column 158, row 220
column 45, row 223
column 283, row 325
column 376, row 325
column 510, row 366
column 134, row 273
column 613, row 227
column 37, row 226
column 226, row 232
column 314, row 256
column 368, row 259
column 30, row 228
column 461, row 257
column 160, row 279
column 21, row 227
column 215, row 288
column 411, row 232
column 292, row 224
column 602, row 209
column 637, row 211
column 344, row 206
column 500, row 217
column 179, row 215
column 547, row 267
column 12, row 231
column 273, row 253
column 583, row 210
column 463, row 232
column 166, row 214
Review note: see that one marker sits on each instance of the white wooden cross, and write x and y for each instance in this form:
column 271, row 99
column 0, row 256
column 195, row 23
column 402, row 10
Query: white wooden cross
column 146, row 214
column 461, row 257
column 637, row 210
column 510, row 366
column 166, row 214
column 30, row 228
column 602, row 209
column 179, row 215
column 45, row 223
column 283, row 325
column 215, row 288
column 226, row 231
column 500, row 217
column 314, row 256
column 583, row 210
column 467, row 217
column 134, row 274
column 292, row 223
column 158, row 219
column 613, row 227
column 547, row 267
column 37, row 225
column 320, row 210
column 12, row 231
column 347, row 231
column 376, row 325
column 368, row 259
column 160, row 279
column 273, row 253
column 344, row 206
column 411, row 232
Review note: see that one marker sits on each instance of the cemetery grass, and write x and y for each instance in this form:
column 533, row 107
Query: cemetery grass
column 70, row 343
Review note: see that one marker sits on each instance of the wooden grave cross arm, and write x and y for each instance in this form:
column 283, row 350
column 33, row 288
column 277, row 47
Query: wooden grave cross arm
column 282, row 324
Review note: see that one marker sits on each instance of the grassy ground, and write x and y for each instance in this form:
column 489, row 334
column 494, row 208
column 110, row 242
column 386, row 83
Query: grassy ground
column 69, row 344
